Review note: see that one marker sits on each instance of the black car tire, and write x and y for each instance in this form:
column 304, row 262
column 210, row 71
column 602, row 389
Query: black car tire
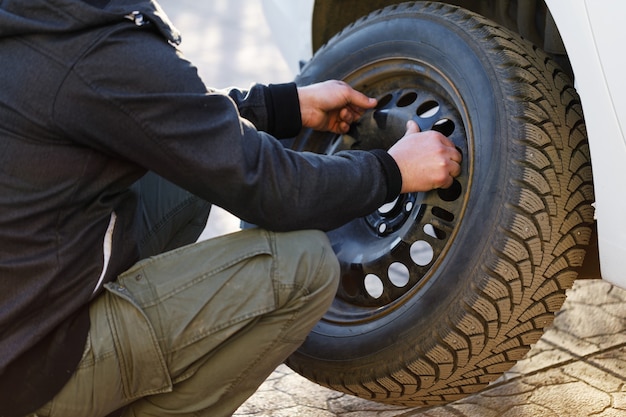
column 444, row 291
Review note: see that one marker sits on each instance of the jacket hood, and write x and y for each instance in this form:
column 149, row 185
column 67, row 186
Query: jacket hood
column 26, row 17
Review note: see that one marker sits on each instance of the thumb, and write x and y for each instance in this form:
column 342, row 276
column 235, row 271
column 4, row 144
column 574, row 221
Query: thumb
column 412, row 127
column 359, row 99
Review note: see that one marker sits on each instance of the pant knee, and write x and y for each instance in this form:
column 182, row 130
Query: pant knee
column 328, row 273
column 313, row 263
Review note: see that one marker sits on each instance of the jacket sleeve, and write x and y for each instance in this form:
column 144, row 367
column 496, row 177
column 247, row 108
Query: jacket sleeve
column 132, row 96
column 274, row 109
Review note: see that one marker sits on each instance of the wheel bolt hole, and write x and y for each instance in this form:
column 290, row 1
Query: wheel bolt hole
column 382, row 228
column 399, row 274
column 434, row 232
column 444, row 126
column 382, row 102
column 422, row 253
column 373, row 285
column 443, row 214
column 451, row 193
column 407, row 99
column 428, row 109
column 351, row 283
column 387, row 208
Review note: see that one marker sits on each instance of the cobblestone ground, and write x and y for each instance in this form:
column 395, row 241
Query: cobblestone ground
column 578, row 368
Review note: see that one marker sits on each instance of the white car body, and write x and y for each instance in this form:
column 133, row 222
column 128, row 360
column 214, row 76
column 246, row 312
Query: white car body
column 592, row 34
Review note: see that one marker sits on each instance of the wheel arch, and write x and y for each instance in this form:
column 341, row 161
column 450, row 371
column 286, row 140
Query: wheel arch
column 533, row 23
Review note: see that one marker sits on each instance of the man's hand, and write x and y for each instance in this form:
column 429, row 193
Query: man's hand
column 427, row 160
column 332, row 106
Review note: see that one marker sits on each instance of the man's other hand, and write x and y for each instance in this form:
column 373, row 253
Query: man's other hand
column 427, row 160
column 332, row 106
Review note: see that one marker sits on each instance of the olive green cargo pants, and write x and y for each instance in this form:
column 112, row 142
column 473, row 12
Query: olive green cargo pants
column 194, row 331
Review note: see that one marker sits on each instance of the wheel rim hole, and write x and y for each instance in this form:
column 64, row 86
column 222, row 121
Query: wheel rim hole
column 443, row 214
column 384, row 101
column 434, row 232
column 451, row 193
column 407, row 99
column 387, row 208
column 373, row 285
column 428, row 109
column 399, row 274
column 444, row 126
column 422, row 253
column 351, row 284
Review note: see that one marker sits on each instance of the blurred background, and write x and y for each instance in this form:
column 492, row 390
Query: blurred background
column 230, row 43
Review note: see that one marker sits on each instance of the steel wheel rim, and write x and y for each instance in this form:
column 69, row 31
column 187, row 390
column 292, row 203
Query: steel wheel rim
column 391, row 255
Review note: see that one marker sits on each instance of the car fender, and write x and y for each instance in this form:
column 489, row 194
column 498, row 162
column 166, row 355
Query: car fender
column 591, row 31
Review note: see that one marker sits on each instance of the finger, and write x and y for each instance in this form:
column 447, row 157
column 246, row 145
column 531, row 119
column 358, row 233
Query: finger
column 456, row 156
column 454, row 152
column 357, row 99
column 347, row 116
column 362, row 101
column 456, row 169
column 356, row 111
column 447, row 183
column 446, row 141
column 412, row 127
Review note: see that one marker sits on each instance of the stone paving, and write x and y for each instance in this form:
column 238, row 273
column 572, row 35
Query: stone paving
column 578, row 368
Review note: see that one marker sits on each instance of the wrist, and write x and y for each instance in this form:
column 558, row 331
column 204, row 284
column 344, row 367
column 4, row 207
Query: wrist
column 306, row 110
column 392, row 174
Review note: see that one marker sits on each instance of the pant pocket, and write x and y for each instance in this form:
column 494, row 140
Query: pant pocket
column 143, row 369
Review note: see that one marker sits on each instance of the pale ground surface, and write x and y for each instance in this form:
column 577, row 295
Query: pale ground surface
column 577, row 369
column 230, row 43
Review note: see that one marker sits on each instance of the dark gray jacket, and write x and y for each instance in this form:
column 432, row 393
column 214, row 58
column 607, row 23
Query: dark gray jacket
column 92, row 96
